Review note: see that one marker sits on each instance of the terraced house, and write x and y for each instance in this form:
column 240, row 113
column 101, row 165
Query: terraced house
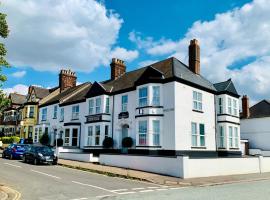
column 166, row 108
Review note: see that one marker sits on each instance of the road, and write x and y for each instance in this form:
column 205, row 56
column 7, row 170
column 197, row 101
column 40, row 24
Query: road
column 60, row 183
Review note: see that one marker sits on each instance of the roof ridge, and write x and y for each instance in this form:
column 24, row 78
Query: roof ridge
column 230, row 82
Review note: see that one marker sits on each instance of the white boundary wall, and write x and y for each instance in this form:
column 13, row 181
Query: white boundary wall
column 185, row 167
column 84, row 157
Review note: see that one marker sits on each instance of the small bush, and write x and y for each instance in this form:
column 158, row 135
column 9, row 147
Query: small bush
column 60, row 142
column 7, row 140
column 127, row 142
column 107, row 142
column 15, row 139
column 44, row 139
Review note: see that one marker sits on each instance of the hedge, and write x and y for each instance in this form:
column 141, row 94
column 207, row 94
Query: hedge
column 10, row 140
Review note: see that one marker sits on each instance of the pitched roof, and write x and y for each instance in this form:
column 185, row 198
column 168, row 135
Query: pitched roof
column 169, row 69
column 261, row 109
column 41, row 92
column 17, row 99
column 226, row 87
column 65, row 94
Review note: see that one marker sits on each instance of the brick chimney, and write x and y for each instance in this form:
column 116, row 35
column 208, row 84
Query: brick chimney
column 245, row 107
column 118, row 68
column 67, row 79
column 194, row 56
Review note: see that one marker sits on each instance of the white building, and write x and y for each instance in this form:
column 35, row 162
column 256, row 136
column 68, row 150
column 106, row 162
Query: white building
column 166, row 108
column 255, row 124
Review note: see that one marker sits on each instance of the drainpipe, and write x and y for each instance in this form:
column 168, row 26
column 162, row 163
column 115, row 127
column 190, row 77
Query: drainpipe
column 216, row 129
column 113, row 117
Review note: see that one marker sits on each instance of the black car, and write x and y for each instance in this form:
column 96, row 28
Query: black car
column 40, row 154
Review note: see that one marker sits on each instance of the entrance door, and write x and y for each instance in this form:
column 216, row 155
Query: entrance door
column 124, row 132
column 74, row 137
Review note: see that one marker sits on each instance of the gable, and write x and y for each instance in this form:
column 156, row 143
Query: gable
column 150, row 75
column 261, row 109
column 96, row 90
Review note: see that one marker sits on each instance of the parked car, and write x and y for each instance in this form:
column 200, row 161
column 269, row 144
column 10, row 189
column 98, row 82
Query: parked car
column 40, row 154
column 14, row 151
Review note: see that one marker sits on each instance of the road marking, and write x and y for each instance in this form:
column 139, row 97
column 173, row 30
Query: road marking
column 102, row 196
column 176, row 188
column 119, row 190
column 161, row 189
column 142, row 191
column 13, row 165
column 45, row 174
column 94, row 187
column 127, row 193
column 80, row 198
column 137, row 188
column 153, row 187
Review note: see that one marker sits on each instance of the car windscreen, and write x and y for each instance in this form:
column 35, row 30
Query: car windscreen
column 21, row 147
column 43, row 149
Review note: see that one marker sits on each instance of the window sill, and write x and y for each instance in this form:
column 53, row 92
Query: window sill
column 74, row 119
column 221, row 148
column 149, row 106
column 61, row 121
column 234, row 148
column 202, row 147
column 54, row 117
column 198, row 111
column 144, row 146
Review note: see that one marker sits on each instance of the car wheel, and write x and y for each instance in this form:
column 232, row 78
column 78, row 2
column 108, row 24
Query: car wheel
column 24, row 159
column 11, row 157
column 35, row 161
column 54, row 163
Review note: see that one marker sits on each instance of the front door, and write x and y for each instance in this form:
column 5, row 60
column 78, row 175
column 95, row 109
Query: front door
column 74, row 137
column 124, row 133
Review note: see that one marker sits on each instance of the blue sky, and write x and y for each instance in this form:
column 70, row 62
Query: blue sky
column 160, row 28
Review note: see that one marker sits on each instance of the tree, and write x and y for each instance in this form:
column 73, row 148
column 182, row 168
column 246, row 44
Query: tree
column 44, row 139
column 3, row 63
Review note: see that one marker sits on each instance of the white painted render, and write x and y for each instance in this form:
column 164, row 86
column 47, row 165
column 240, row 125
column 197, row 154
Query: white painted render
column 257, row 132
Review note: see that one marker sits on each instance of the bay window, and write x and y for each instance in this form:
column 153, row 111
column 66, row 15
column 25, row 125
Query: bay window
column 142, row 132
column 221, row 137
column 220, row 105
column 235, row 107
column 107, row 109
column 90, row 136
column 230, row 136
column 97, row 135
column 156, row 132
column 143, row 94
column 156, row 96
column 91, row 106
column 229, row 105
column 98, row 105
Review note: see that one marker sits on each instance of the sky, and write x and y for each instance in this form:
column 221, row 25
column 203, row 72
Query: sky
column 84, row 35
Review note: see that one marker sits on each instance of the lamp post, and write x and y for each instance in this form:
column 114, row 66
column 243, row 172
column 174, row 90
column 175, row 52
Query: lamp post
column 56, row 135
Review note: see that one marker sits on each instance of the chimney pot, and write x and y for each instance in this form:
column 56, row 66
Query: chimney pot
column 67, row 79
column 194, row 56
column 245, row 107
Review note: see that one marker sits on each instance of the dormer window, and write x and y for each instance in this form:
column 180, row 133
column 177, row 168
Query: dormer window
column 143, row 94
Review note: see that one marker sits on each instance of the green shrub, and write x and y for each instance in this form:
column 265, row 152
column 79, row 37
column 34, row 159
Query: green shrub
column 127, row 142
column 108, row 142
column 15, row 139
column 7, row 140
column 44, row 139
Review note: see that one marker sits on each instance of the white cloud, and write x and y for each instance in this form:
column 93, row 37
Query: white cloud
column 230, row 38
column 19, row 74
column 124, row 54
column 49, row 34
column 147, row 62
column 20, row 89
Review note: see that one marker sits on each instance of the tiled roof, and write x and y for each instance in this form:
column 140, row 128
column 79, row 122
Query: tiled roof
column 17, row 99
column 41, row 92
column 226, row 87
column 261, row 109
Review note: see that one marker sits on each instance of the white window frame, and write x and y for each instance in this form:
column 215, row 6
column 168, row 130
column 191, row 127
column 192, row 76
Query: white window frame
column 220, row 105
column 90, row 134
column 124, row 103
column 142, row 132
column 231, row 145
column 91, row 106
column 156, row 95
column 197, row 101
column 143, row 100
column 106, row 131
column 156, row 132
column 107, row 106
column 33, row 109
column 55, row 112
column 235, row 107
column 198, row 135
column 97, row 135
column 236, row 137
column 230, row 105
column 44, row 114
column 98, row 105
column 222, row 139
column 75, row 112
column 62, row 114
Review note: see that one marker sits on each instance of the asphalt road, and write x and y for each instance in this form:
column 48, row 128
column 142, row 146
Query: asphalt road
column 60, row 183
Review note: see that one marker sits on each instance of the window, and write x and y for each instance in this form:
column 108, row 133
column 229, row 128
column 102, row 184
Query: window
column 74, row 141
column 55, row 112
column 90, row 136
column 142, row 132
column 107, row 110
column 235, row 107
column 31, row 112
column 62, row 114
column 143, row 93
column 75, row 112
column 30, row 131
column 220, row 105
column 197, row 135
column 36, row 135
column 221, row 137
column 98, row 104
column 44, row 114
column 236, row 139
column 97, row 136
column 156, row 96
column 230, row 136
column 197, row 101
column 67, row 134
column 106, row 131
column 91, row 106
column 230, row 106
column 156, row 132
column 124, row 103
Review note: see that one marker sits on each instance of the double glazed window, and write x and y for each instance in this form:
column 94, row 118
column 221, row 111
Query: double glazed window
column 55, row 112
column 197, row 134
column 230, row 106
column 124, row 103
column 156, row 96
column 220, row 105
column 197, row 101
column 31, row 112
column 156, row 132
column 142, row 132
column 75, row 112
column 91, row 106
column 44, row 114
column 233, row 137
column 98, row 105
column 107, row 109
column 90, row 136
column 106, row 131
column 62, row 114
column 235, row 112
column 67, row 134
column 97, row 136
column 143, row 94
column 221, row 137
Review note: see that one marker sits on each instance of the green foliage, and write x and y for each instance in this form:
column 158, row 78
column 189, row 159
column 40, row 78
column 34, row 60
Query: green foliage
column 127, row 142
column 108, row 142
column 4, row 102
column 10, row 140
column 44, row 139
